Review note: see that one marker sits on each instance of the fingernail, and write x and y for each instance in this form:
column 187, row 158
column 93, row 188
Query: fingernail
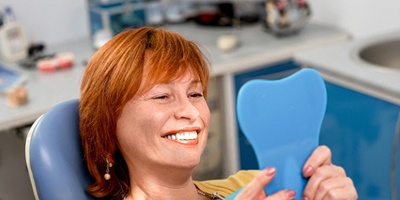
column 270, row 171
column 308, row 170
column 304, row 198
column 290, row 193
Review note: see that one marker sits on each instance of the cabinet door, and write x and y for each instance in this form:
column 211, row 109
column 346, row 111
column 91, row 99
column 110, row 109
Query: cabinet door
column 359, row 129
column 247, row 156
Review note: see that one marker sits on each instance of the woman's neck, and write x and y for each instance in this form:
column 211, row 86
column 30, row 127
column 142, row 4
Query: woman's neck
column 161, row 184
column 161, row 192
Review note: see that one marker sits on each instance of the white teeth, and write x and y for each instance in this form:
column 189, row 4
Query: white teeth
column 183, row 136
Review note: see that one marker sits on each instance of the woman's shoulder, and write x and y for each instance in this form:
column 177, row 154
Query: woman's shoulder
column 229, row 185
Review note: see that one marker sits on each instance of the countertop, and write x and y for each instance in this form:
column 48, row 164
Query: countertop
column 339, row 63
column 46, row 89
column 257, row 48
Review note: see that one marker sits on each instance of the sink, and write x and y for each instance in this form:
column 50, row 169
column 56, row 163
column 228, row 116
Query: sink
column 385, row 53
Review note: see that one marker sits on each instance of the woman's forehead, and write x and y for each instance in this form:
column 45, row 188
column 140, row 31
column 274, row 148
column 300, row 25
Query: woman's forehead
column 187, row 76
column 149, row 82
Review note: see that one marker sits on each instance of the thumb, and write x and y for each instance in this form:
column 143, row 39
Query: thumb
column 255, row 188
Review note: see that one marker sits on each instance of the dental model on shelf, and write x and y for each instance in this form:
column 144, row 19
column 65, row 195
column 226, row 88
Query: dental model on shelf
column 53, row 63
column 17, row 96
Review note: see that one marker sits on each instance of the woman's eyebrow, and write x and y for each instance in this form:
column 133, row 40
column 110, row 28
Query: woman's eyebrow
column 195, row 81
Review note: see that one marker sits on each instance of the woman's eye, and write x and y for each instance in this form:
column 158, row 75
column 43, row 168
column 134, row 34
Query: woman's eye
column 161, row 97
column 196, row 95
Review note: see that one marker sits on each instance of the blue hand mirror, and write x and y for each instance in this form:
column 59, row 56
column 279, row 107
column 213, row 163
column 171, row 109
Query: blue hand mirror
column 281, row 119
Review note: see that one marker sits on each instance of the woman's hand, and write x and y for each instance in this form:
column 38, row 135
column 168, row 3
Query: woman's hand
column 255, row 189
column 327, row 181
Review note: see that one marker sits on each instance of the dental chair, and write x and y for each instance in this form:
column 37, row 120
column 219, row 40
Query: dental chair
column 54, row 155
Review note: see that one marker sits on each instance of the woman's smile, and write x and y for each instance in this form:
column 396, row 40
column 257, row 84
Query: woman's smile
column 186, row 138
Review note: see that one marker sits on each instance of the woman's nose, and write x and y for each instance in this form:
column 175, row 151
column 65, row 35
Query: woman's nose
column 185, row 109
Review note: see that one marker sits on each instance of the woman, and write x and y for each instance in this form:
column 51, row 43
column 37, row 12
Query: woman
column 144, row 125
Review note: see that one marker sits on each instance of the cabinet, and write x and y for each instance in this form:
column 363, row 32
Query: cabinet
column 115, row 15
column 279, row 70
column 360, row 131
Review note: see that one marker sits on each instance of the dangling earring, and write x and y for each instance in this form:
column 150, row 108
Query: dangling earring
column 107, row 176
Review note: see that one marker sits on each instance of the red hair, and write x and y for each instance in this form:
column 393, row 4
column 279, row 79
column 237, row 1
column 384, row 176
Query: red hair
column 112, row 77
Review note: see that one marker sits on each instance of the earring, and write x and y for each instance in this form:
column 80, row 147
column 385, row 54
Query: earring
column 107, row 176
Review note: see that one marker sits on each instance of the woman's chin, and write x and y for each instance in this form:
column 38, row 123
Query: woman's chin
column 188, row 165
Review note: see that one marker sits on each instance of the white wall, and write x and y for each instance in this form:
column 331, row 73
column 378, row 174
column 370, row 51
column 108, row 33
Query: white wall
column 361, row 18
column 51, row 21
column 57, row 21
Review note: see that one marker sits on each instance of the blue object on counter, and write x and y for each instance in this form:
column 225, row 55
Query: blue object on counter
column 10, row 78
column 282, row 120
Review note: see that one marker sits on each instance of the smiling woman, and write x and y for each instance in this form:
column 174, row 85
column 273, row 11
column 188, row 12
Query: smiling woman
column 130, row 81
column 144, row 124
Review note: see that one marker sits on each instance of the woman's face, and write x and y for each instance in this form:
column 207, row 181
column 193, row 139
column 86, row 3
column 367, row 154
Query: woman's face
column 166, row 126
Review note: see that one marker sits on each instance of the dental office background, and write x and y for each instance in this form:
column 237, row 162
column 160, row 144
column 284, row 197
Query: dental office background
column 60, row 21
column 55, row 22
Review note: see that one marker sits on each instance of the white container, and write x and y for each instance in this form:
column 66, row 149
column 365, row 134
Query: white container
column 13, row 42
